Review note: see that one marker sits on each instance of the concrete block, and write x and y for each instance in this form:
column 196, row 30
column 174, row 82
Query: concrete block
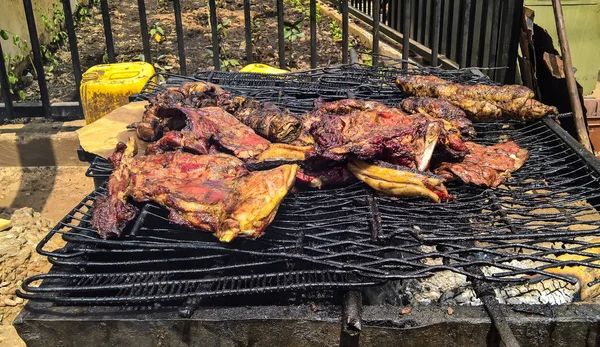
column 40, row 144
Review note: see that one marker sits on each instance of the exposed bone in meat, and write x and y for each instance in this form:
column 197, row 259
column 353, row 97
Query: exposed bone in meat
column 210, row 124
column 486, row 166
column 214, row 193
column 480, row 102
column 399, row 181
column 372, row 130
column 191, row 95
column 440, row 108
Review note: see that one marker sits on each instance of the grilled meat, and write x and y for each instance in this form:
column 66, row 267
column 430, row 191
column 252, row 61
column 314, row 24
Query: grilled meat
column 440, row 108
column 190, row 95
column 399, row 181
column 480, row 102
column 269, row 121
column 324, row 177
column 214, row 193
column 487, row 166
column 370, row 130
column 206, row 125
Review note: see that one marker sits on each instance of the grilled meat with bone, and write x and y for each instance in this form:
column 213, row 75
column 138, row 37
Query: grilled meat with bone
column 370, row 130
column 265, row 119
column 214, row 193
column 440, row 108
column 485, row 166
column 209, row 124
column 189, row 95
column 480, row 102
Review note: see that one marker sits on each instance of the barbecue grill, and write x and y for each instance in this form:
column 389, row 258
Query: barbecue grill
column 326, row 247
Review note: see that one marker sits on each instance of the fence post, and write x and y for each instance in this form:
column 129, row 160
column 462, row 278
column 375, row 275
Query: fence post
column 179, row 30
column 110, row 45
column 344, row 4
column 5, row 86
column 212, row 8
column 72, row 43
column 144, row 28
column 37, row 57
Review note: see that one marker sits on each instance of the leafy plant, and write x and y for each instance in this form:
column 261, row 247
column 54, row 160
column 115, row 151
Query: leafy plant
column 163, row 3
column 335, row 31
column 13, row 62
column 293, row 31
column 223, row 26
column 229, row 63
column 157, row 32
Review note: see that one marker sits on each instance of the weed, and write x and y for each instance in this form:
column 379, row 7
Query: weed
column 157, row 32
column 293, row 31
column 335, row 31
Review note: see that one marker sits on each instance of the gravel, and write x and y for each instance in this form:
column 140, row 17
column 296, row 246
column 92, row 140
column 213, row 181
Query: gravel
column 18, row 258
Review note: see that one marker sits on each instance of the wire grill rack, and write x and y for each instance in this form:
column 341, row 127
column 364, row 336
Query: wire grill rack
column 541, row 222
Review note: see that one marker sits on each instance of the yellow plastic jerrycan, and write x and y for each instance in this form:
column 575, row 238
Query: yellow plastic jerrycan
column 108, row 86
column 262, row 68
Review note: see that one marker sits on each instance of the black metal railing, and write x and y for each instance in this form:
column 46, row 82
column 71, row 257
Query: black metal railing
column 469, row 46
column 450, row 33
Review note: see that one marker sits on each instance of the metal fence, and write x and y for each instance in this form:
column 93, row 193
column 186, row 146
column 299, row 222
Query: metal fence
column 484, row 38
column 452, row 33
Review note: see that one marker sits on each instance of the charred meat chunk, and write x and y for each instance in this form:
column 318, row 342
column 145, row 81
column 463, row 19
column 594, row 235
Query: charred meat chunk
column 214, row 193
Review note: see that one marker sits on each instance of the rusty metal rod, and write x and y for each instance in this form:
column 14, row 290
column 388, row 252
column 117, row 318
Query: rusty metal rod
column 582, row 132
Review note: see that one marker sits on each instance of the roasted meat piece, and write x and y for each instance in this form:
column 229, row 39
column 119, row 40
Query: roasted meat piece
column 480, row 102
column 269, row 121
column 155, row 122
column 214, row 193
column 206, row 125
column 370, row 130
column 487, row 166
column 440, row 108
column 399, row 181
column 425, row 85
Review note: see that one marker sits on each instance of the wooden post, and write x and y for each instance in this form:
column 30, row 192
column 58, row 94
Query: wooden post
column 582, row 132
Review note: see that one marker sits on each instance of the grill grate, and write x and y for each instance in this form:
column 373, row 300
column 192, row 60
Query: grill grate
column 543, row 219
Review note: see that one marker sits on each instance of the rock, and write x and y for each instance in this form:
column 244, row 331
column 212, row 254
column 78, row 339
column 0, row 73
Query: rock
column 9, row 302
column 4, row 284
column 19, row 300
column 4, row 290
column 10, row 277
column 2, row 303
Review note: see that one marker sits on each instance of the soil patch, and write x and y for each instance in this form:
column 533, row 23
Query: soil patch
column 197, row 40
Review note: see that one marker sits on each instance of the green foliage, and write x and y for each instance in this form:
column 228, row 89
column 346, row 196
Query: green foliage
column 226, row 64
column 157, row 32
column 223, row 26
column 163, row 3
column 303, row 6
column 293, row 31
column 54, row 25
column 13, row 62
column 335, row 31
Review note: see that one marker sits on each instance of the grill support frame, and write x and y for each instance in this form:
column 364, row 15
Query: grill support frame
column 573, row 325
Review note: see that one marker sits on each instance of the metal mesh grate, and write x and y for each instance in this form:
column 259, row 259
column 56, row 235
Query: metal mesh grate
column 543, row 219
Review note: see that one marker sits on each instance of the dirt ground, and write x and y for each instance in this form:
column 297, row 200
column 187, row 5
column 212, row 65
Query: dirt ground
column 51, row 191
column 34, row 199
column 197, row 40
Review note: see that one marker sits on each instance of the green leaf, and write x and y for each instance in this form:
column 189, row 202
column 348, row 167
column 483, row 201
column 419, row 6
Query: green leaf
column 160, row 30
column 226, row 22
column 152, row 32
column 234, row 62
column 12, row 79
column 4, row 34
column 21, row 95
